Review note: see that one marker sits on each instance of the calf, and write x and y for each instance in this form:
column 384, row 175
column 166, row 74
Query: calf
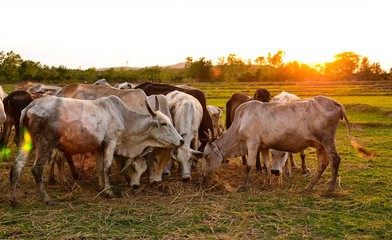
column 216, row 113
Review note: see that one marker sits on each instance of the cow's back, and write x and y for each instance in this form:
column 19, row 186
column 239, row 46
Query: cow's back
column 294, row 125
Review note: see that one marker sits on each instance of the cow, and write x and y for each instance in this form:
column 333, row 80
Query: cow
column 187, row 115
column 261, row 94
column 102, row 82
column 279, row 158
column 35, row 87
column 157, row 158
column 206, row 123
column 14, row 103
column 291, row 127
column 125, row 85
column 216, row 113
column 2, row 114
column 2, row 94
column 134, row 99
column 105, row 126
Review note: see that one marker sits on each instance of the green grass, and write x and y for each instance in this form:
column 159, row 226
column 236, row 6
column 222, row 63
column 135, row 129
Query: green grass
column 360, row 208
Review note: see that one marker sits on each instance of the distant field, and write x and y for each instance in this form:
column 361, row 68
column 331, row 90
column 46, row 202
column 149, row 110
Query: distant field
column 360, row 208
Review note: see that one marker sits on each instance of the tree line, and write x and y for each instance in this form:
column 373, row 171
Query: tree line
column 270, row 68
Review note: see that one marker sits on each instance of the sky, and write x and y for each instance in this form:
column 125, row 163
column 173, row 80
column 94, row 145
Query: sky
column 84, row 33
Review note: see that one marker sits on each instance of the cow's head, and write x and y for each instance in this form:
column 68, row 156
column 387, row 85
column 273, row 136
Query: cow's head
column 137, row 167
column 162, row 129
column 212, row 156
column 279, row 159
column 185, row 156
column 157, row 161
column 262, row 95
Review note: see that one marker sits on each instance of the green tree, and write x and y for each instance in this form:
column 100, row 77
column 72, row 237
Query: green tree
column 199, row 70
column 28, row 69
column 9, row 64
column 346, row 63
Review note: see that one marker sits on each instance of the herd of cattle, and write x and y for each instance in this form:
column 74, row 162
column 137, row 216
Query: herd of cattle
column 150, row 125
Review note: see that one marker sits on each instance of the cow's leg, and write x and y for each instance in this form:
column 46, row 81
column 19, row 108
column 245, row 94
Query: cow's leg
column 267, row 163
column 43, row 156
column 19, row 163
column 107, row 163
column 305, row 169
column 71, row 166
column 244, row 162
column 287, row 169
column 252, row 152
column 335, row 161
column 53, row 160
column 322, row 164
column 258, row 163
column 292, row 161
column 99, row 166
column 5, row 135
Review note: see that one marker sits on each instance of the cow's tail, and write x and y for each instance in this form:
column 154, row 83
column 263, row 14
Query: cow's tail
column 360, row 149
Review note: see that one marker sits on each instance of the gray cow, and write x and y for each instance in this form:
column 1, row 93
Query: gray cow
column 289, row 127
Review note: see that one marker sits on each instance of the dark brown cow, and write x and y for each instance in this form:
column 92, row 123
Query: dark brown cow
column 261, row 94
column 206, row 123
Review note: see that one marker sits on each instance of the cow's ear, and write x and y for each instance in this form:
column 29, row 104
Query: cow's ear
column 154, row 123
column 197, row 154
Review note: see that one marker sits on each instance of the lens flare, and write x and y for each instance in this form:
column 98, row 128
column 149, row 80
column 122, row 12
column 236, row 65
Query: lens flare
column 26, row 144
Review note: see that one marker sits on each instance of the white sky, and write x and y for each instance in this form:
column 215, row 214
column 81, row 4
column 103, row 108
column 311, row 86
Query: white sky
column 78, row 33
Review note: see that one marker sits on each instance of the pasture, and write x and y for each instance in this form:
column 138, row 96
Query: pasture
column 211, row 208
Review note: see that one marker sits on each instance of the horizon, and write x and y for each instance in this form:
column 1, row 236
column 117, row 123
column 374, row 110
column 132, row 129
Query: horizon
column 95, row 34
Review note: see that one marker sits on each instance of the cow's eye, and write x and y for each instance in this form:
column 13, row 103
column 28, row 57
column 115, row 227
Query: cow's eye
column 164, row 124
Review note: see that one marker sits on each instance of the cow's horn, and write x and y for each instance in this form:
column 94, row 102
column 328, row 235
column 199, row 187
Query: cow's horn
column 209, row 136
column 150, row 110
column 156, row 103
column 126, row 165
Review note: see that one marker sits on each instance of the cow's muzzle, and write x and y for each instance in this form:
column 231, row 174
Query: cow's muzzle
column 276, row 172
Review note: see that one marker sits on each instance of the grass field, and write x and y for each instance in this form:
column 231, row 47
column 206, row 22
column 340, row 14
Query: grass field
column 211, row 208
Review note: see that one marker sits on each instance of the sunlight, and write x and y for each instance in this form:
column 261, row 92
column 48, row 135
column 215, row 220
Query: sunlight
column 26, row 145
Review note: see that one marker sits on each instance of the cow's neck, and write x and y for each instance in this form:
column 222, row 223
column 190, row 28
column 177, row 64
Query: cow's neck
column 230, row 145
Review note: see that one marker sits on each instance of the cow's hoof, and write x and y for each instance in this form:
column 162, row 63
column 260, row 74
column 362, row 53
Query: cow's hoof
column 15, row 203
column 49, row 203
column 328, row 193
column 242, row 189
column 295, row 166
column 306, row 171
column 186, row 179
column 110, row 195
column 136, row 187
column 306, row 191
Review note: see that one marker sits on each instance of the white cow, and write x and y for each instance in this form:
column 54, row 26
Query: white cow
column 104, row 126
column 2, row 94
column 280, row 158
column 187, row 114
column 125, row 85
column 102, row 82
column 290, row 127
column 216, row 113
